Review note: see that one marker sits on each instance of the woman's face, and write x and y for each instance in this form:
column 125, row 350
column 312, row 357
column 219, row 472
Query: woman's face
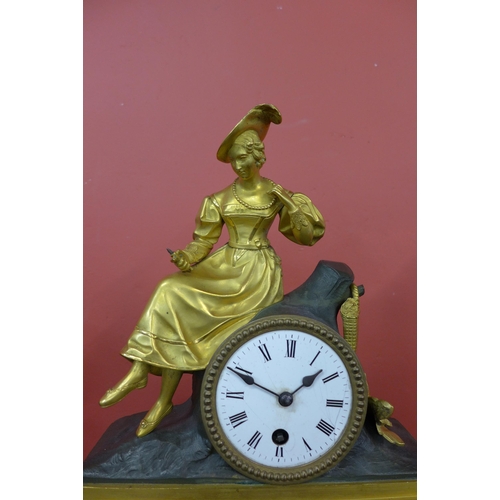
column 243, row 163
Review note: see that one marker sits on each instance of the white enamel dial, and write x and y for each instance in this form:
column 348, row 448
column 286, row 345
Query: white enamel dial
column 297, row 424
column 284, row 400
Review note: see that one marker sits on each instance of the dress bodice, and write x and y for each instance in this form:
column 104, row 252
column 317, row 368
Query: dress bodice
column 248, row 228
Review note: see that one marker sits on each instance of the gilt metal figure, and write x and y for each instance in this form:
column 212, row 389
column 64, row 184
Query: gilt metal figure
column 192, row 311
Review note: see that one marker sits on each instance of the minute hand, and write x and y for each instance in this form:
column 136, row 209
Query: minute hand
column 250, row 381
column 307, row 381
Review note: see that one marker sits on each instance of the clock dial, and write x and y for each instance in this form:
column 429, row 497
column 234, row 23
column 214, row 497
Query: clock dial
column 284, row 399
column 287, row 423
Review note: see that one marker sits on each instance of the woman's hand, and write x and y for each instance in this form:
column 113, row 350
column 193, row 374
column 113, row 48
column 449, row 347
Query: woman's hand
column 180, row 259
column 301, row 227
column 284, row 197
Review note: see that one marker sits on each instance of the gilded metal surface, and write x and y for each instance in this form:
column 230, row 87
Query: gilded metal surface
column 293, row 474
column 382, row 410
column 192, row 311
column 257, row 119
column 350, row 314
column 375, row 490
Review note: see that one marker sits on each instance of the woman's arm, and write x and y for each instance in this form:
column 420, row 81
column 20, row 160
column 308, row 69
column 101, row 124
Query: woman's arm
column 300, row 220
column 207, row 232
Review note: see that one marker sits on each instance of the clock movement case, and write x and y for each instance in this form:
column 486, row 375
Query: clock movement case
column 311, row 308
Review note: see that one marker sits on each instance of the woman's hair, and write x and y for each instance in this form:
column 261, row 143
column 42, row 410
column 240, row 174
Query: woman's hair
column 251, row 142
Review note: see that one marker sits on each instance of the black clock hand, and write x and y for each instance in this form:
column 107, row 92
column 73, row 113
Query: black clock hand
column 307, row 381
column 250, row 381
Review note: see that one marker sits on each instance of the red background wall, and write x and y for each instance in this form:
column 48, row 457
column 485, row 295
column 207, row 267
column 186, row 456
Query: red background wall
column 165, row 81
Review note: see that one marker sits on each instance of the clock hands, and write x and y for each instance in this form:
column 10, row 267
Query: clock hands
column 250, row 381
column 285, row 398
column 307, row 381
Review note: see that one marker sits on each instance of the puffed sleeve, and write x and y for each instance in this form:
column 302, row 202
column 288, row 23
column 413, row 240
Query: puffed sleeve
column 308, row 217
column 207, row 231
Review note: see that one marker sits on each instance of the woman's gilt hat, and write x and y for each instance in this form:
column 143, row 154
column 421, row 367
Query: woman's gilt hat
column 258, row 119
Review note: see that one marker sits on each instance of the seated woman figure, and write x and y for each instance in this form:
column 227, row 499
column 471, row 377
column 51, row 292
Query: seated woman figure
column 192, row 311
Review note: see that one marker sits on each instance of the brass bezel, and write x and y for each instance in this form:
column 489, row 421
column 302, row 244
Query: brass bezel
column 297, row 474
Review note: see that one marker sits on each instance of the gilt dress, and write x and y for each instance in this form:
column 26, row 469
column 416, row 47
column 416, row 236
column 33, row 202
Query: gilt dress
column 191, row 313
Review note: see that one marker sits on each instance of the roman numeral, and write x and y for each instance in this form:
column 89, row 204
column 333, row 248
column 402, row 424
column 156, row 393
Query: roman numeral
column 330, row 377
column 255, row 440
column 238, row 419
column 325, row 427
column 235, row 395
column 265, row 352
column 314, row 359
column 279, row 451
column 290, row 348
column 335, row 403
column 307, row 446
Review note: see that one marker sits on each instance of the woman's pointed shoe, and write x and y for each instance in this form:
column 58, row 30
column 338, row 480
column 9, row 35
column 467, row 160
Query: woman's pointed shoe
column 117, row 393
column 147, row 425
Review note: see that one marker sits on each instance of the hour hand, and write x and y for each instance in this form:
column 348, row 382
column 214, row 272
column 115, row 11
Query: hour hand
column 307, row 381
column 250, row 381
